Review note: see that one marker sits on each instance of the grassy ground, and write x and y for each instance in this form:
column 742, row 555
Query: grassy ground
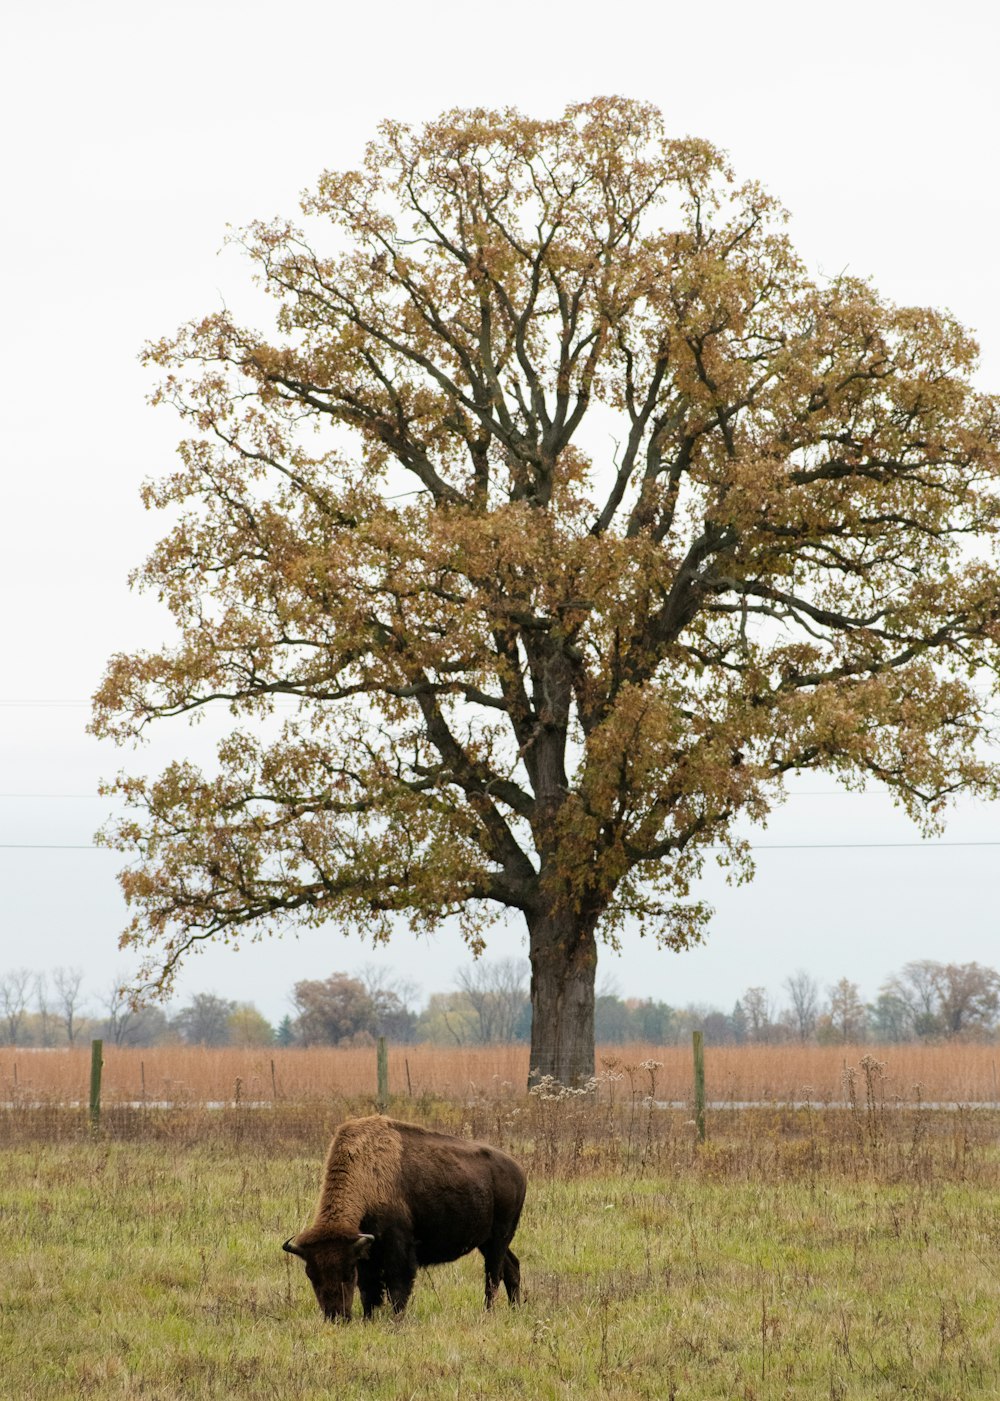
column 781, row 1261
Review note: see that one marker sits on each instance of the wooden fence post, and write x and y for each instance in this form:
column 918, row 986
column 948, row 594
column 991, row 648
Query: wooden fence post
column 383, row 1075
column 96, row 1062
column 697, row 1045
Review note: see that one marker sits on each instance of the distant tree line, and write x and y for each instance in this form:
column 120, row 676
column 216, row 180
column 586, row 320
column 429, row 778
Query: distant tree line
column 925, row 999
column 489, row 1004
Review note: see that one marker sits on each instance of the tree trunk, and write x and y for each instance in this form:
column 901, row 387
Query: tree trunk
column 563, row 954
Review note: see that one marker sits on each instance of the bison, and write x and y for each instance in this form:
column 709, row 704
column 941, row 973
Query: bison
column 395, row 1196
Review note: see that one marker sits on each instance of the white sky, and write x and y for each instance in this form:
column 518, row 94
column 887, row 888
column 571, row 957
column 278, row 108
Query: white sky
column 135, row 133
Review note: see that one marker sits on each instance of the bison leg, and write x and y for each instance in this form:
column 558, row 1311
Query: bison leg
column 494, row 1258
column 400, row 1270
column 370, row 1287
column 492, row 1277
column 512, row 1276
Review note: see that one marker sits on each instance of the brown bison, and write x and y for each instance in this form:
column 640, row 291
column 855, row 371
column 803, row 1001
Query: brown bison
column 395, row 1196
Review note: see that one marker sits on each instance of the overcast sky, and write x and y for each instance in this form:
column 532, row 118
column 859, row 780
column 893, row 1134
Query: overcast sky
column 135, row 134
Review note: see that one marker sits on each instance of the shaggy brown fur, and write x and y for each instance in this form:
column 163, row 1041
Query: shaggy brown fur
column 396, row 1196
column 361, row 1172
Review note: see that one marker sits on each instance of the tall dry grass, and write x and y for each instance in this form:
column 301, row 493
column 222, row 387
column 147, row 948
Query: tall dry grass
column 193, row 1075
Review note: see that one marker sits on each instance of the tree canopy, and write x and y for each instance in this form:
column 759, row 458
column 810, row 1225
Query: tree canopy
column 574, row 514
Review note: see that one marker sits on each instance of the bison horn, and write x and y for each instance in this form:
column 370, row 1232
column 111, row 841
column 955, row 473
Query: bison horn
column 363, row 1245
column 293, row 1249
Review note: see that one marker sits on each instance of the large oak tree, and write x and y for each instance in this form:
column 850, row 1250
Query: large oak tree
column 574, row 514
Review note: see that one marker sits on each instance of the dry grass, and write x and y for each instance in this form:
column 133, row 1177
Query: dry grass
column 132, row 1273
column 961, row 1072
column 192, row 1075
column 810, row 1251
column 620, row 1124
column 800, row 1252
column 571, row 1136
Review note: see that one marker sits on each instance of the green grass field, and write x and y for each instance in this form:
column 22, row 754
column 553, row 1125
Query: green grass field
column 763, row 1266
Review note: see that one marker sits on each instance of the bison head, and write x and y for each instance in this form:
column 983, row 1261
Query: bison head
column 331, row 1260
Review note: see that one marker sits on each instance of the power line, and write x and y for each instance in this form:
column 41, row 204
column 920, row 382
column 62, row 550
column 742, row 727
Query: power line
column 827, row 793
column 36, row 703
column 764, row 846
column 52, row 846
column 855, row 846
column 801, row 793
column 30, row 703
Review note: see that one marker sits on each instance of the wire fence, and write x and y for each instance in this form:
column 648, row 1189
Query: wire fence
column 963, row 1073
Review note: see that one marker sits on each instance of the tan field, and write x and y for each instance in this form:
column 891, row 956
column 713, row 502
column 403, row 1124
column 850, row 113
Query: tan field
column 192, row 1075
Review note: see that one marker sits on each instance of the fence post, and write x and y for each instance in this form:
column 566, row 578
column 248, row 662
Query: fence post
column 96, row 1062
column 383, row 1075
column 697, row 1045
